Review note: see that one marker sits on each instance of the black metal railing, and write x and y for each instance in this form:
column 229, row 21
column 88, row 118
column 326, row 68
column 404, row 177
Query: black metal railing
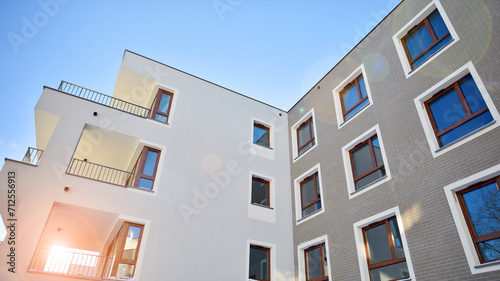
column 32, row 156
column 100, row 173
column 64, row 261
column 103, row 99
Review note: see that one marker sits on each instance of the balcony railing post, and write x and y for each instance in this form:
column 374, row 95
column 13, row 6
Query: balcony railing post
column 32, row 156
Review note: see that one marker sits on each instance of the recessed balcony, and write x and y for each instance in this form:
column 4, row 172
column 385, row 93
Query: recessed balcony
column 114, row 158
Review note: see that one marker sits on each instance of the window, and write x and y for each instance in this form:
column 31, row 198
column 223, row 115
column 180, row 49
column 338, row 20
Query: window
column 367, row 162
column 480, row 204
column 124, row 250
column 384, row 251
column 457, row 111
column 260, row 192
column 475, row 205
column 161, row 106
column 305, row 136
column 426, row 39
column 354, row 97
column 261, row 135
column 144, row 171
column 316, row 263
column 428, row 34
column 260, row 267
column 308, row 198
column 310, row 195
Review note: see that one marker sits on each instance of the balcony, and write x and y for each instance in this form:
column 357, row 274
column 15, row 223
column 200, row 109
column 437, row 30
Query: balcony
column 32, row 156
column 105, row 100
column 69, row 262
column 93, row 171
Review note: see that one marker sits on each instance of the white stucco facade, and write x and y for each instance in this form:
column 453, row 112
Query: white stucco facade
column 197, row 218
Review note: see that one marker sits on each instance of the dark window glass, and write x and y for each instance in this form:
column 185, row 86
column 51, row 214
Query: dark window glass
column 426, row 39
column 459, row 110
column 261, row 135
column 384, row 247
column 316, row 263
column 354, row 98
column 259, row 263
column 367, row 163
column 482, row 212
column 310, row 195
column 305, row 136
column 260, row 192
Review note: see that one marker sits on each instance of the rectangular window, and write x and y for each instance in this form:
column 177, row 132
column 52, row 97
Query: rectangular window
column 260, row 192
column 457, row 111
column 124, row 250
column 367, row 163
column 354, row 97
column 480, row 204
column 161, row 106
column 384, row 251
column 261, row 135
column 316, row 263
column 305, row 136
column 260, row 267
column 310, row 195
column 144, row 171
column 426, row 38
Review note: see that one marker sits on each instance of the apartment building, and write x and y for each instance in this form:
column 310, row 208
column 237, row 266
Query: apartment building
column 387, row 169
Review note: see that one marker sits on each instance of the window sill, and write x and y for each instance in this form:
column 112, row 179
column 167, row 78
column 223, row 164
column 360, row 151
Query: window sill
column 263, row 206
column 311, row 214
column 368, row 185
column 140, row 189
column 305, row 152
column 265, row 146
column 466, row 136
column 491, row 263
column 430, row 57
column 354, row 116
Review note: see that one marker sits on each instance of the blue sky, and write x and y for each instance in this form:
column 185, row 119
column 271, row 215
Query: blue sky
column 273, row 51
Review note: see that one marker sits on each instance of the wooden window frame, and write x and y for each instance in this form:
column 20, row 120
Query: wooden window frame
column 268, row 250
column 268, row 191
column 311, row 135
column 394, row 259
column 268, row 134
column 470, row 226
column 139, row 166
column 120, row 244
column 156, row 105
column 374, row 162
column 316, row 188
column 435, row 40
column 322, row 251
column 469, row 115
column 360, row 98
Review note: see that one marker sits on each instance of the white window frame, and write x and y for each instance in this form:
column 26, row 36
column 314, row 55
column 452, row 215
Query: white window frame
column 360, row 241
column 298, row 202
column 293, row 131
column 450, row 191
column 351, row 188
column 435, row 4
column 272, row 248
column 260, row 212
column 426, row 121
column 301, row 260
column 336, row 95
